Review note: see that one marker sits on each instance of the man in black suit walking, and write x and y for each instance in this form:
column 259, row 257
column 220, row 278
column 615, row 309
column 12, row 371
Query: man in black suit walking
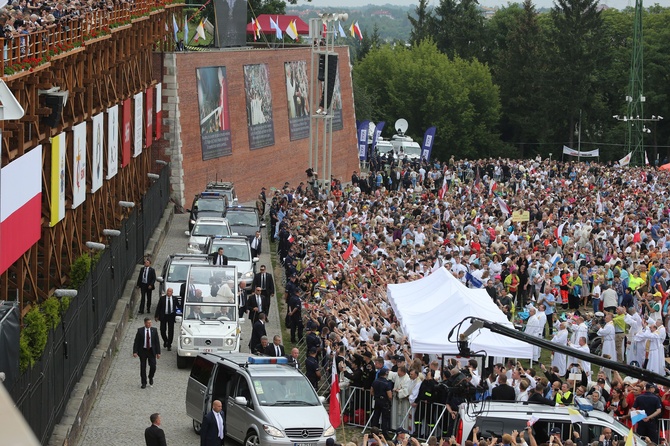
column 257, row 332
column 503, row 391
column 166, row 312
column 154, row 435
column 213, row 426
column 266, row 282
column 147, row 347
column 146, row 283
column 242, row 296
column 255, row 305
column 219, row 258
column 275, row 349
column 256, row 244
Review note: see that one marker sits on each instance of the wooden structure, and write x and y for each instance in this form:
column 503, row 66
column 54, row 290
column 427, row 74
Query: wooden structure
column 101, row 59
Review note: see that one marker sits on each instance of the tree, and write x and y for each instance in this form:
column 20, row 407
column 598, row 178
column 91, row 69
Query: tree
column 459, row 28
column 420, row 24
column 368, row 42
column 577, row 55
column 427, row 88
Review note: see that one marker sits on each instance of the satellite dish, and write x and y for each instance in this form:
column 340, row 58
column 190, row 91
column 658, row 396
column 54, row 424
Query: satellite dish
column 401, row 126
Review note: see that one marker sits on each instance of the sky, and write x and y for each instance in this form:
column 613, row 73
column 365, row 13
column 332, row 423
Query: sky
column 539, row 3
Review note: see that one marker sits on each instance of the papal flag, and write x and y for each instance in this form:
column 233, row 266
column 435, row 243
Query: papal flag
column 200, row 31
column 58, row 151
column 292, row 31
column 625, row 160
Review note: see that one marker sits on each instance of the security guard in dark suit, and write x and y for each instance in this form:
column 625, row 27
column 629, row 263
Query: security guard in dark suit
column 382, row 392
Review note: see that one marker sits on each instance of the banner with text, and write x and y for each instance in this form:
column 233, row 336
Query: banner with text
column 125, row 134
column 590, row 154
column 159, row 111
column 378, row 133
column 138, row 130
column 78, row 164
column 97, row 156
column 149, row 118
column 112, row 141
column 297, row 84
column 58, row 153
column 427, row 146
column 215, row 136
column 259, row 106
column 363, row 129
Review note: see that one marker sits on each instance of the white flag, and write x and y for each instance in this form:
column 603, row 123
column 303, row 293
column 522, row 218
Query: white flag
column 625, row 160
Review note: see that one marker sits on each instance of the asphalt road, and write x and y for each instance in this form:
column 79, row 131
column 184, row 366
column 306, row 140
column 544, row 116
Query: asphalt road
column 121, row 411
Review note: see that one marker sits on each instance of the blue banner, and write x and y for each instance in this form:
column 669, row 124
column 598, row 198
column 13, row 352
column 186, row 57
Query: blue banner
column 427, row 146
column 378, row 133
column 363, row 140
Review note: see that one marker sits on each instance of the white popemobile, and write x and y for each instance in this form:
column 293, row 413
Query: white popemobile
column 209, row 323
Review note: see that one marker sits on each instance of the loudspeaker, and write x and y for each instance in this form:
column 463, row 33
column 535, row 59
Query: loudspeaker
column 332, row 76
column 55, row 103
column 322, row 67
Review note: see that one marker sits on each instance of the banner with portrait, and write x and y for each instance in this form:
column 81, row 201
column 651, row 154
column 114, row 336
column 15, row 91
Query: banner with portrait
column 112, row 141
column 259, row 106
column 138, row 130
column 97, row 155
column 215, row 136
column 336, row 106
column 297, row 85
column 78, row 164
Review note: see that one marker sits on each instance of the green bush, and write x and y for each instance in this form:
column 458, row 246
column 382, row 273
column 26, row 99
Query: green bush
column 79, row 270
column 36, row 331
column 52, row 312
column 26, row 359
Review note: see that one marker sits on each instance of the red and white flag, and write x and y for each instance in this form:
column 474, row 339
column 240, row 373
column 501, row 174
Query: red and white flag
column 559, row 231
column 334, row 408
column 492, row 187
column 291, row 239
column 20, row 206
column 350, row 249
column 443, row 189
column 503, row 206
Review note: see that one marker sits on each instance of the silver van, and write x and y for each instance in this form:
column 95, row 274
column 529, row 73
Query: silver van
column 266, row 401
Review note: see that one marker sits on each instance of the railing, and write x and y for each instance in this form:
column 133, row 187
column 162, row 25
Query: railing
column 25, row 52
column 423, row 421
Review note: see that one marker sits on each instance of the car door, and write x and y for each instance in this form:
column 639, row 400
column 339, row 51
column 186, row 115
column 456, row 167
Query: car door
column 238, row 417
column 198, row 391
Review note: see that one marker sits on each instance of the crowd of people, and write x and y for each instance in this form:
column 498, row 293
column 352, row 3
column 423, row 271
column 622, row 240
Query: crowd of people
column 586, row 267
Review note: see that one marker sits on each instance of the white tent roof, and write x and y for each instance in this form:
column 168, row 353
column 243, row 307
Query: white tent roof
column 430, row 307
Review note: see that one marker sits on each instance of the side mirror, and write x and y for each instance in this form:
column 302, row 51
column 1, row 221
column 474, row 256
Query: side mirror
column 187, row 233
column 242, row 401
column 241, row 320
column 160, row 279
column 322, row 399
column 178, row 319
column 255, row 259
column 263, row 225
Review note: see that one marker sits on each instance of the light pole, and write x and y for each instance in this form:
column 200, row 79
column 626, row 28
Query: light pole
column 93, row 246
column 111, row 233
column 126, row 205
column 64, row 293
column 636, row 125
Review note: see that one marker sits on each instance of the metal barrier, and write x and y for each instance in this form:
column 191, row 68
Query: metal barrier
column 42, row 392
column 423, row 421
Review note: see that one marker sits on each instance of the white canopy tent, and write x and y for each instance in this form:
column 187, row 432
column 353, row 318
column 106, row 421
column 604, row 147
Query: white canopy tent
column 429, row 308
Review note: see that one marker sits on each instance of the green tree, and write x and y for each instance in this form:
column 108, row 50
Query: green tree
column 576, row 57
column 427, row 88
column 458, row 27
column 420, row 24
column 368, row 42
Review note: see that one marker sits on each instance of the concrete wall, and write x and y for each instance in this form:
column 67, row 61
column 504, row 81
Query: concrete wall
column 250, row 169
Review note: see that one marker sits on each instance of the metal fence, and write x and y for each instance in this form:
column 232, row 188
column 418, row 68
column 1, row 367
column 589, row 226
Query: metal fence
column 423, row 421
column 42, row 392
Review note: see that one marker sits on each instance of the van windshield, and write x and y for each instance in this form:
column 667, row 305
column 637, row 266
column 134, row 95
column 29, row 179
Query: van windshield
column 285, row 391
column 413, row 150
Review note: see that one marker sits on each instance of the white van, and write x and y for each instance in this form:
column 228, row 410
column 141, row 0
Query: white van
column 495, row 418
column 405, row 147
column 266, row 401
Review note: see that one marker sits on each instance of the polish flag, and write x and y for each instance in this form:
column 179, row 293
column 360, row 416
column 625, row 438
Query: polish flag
column 349, row 250
column 492, row 187
column 334, row 409
column 20, row 206
column 503, row 206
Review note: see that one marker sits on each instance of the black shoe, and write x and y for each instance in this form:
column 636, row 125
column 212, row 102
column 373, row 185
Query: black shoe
column 140, row 312
column 169, row 348
column 148, row 310
column 164, row 344
column 151, row 381
column 144, row 386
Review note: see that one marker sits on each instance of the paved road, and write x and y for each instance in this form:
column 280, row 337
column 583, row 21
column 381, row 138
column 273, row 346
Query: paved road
column 122, row 408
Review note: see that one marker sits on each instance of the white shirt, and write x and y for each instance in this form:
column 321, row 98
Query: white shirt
column 219, row 423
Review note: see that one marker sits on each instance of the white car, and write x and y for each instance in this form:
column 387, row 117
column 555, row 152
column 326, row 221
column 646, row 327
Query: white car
column 237, row 249
column 204, row 228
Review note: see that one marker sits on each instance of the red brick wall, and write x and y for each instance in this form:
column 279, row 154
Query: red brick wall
column 268, row 166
